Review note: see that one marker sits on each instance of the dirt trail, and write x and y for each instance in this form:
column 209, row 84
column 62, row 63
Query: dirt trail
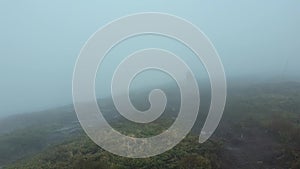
column 252, row 148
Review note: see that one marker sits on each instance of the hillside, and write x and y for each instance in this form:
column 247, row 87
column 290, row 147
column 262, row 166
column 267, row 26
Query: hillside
column 260, row 129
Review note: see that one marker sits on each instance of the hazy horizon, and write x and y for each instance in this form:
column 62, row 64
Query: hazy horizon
column 40, row 42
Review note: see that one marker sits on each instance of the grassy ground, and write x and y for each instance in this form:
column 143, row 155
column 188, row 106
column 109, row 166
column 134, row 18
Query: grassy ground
column 260, row 129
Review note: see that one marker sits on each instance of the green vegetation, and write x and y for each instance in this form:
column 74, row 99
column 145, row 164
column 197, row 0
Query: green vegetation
column 82, row 153
column 22, row 143
column 260, row 129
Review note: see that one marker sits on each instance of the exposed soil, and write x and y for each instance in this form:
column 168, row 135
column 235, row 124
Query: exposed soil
column 250, row 148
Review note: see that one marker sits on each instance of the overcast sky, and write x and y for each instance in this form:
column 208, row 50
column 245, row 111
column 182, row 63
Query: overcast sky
column 40, row 41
